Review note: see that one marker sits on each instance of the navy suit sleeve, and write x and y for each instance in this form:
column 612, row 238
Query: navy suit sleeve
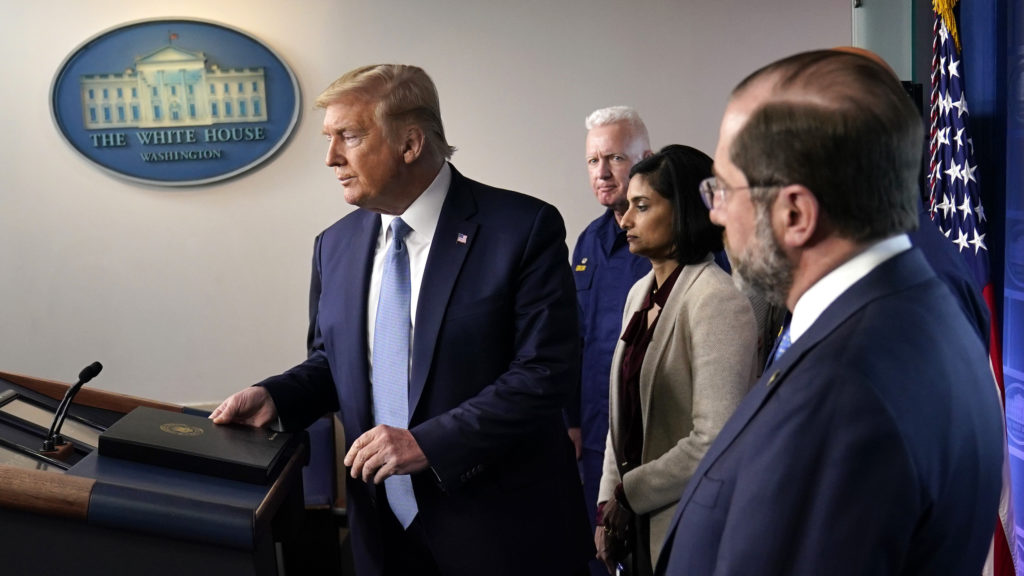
column 306, row 392
column 540, row 366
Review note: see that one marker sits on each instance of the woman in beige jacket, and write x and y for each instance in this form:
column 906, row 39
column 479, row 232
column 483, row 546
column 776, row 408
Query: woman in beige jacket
column 686, row 357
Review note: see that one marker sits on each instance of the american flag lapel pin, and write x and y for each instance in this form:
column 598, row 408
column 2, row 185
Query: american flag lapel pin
column 461, row 238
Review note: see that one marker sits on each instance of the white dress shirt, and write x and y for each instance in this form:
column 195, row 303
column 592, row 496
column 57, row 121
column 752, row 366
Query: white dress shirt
column 825, row 291
column 421, row 216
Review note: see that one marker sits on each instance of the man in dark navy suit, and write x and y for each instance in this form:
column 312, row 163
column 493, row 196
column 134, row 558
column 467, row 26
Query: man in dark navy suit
column 872, row 445
column 487, row 340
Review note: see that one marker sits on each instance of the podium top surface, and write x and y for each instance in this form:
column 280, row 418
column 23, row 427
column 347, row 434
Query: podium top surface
column 138, row 497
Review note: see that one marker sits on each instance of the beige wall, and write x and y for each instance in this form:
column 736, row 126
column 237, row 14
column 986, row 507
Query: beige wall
column 186, row 295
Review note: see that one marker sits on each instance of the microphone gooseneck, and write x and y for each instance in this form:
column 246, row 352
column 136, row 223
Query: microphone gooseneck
column 53, row 437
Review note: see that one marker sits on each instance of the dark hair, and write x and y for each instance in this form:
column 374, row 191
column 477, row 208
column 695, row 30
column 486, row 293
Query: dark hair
column 841, row 125
column 675, row 172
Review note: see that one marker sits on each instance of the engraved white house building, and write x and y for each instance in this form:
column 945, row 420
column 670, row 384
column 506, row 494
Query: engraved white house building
column 173, row 87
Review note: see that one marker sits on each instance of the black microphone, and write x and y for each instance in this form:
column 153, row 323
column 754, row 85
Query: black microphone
column 53, row 438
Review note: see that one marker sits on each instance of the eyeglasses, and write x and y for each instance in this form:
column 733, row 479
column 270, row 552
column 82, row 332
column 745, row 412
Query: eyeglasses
column 713, row 192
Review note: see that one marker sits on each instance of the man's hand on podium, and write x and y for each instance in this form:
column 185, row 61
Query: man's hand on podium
column 252, row 406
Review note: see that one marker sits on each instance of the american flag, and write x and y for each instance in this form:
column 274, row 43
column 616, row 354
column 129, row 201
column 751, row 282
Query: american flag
column 955, row 204
column 953, row 183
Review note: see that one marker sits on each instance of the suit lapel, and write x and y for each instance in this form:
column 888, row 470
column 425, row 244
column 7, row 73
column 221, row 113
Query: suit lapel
column 659, row 346
column 354, row 253
column 634, row 300
column 452, row 242
column 896, row 273
column 763, row 389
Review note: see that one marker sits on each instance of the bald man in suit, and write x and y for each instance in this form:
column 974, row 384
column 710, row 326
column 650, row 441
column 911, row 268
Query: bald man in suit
column 873, row 443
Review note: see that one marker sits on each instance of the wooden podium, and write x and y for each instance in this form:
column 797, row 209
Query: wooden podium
column 107, row 516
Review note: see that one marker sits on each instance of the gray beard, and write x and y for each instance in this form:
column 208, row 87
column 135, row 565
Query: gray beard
column 761, row 269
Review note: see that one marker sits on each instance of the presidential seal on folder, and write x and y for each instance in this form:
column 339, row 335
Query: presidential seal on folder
column 195, row 444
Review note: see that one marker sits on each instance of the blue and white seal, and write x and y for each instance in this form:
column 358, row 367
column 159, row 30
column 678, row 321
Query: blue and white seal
column 175, row 102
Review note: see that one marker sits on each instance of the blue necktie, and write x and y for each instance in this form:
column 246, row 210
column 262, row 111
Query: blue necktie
column 784, row 343
column 391, row 361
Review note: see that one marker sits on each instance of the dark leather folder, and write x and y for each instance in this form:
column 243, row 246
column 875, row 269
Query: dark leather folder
column 195, row 444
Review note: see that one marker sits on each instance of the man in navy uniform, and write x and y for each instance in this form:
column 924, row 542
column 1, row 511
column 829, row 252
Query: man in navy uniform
column 604, row 270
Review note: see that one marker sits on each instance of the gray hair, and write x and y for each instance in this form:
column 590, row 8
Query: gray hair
column 617, row 114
